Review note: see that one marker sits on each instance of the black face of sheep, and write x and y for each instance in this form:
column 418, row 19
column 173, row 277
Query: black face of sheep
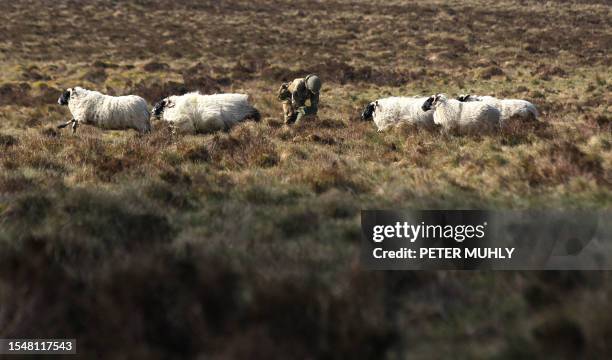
column 158, row 109
column 63, row 100
column 427, row 105
column 368, row 111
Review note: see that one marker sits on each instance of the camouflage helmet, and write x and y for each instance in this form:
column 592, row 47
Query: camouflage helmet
column 313, row 83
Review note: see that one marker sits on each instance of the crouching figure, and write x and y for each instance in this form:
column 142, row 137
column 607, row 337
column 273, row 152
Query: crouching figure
column 294, row 95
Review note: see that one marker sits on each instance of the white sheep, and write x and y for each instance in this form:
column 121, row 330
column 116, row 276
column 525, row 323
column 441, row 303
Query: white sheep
column 105, row 111
column 197, row 113
column 509, row 108
column 464, row 116
column 391, row 111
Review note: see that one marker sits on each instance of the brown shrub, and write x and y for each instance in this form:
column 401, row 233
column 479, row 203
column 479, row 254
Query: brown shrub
column 242, row 147
column 108, row 166
column 573, row 161
column 154, row 90
column 330, row 124
column 175, row 176
column 322, row 139
column 329, row 174
column 96, row 75
column 563, row 162
column 45, row 94
column 198, row 154
column 161, row 135
column 50, row 132
column 15, row 94
column 245, row 69
column 43, row 162
column 406, row 129
column 154, row 66
column 273, row 123
column 545, row 71
column 516, row 131
column 602, row 121
column 204, row 84
column 199, row 78
column 278, row 73
column 268, row 159
column 104, row 65
column 8, row 140
column 33, row 74
column 14, row 182
column 490, row 71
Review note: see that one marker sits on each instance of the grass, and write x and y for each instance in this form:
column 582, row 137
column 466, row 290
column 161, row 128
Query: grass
column 245, row 243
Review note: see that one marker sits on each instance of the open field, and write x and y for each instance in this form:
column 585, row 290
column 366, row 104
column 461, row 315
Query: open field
column 245, row 244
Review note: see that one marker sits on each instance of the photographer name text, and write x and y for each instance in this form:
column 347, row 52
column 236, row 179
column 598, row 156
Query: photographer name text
column 444, row 253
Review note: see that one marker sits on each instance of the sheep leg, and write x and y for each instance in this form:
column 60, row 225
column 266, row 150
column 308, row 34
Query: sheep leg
column 66, row 124
column 75, row 124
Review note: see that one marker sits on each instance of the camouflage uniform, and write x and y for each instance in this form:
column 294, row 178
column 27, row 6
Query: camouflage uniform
column 294, row 95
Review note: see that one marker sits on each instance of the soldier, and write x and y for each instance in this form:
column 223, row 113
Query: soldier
column 294, row 95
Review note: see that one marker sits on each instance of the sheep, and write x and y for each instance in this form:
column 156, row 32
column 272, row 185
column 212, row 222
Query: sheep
column 391, row 111
column 197, row 113
column 509, row 108
column 465, row 116
column 105, row 111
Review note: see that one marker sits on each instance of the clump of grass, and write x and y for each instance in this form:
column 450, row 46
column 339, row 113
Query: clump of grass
column 333, row 173
column 517, row 131
column 245, row 146
column 564, row 161
column 7, row 140
column 489, row 72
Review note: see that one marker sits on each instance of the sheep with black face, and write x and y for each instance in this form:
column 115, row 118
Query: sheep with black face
column 105, row 111
column 391, row 111
column 466, row 116
column 509, row 108
column 196, row 113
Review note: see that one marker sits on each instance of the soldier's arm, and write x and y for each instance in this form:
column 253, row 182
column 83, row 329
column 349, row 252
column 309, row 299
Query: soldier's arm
column 283, row 92
column 287, row 108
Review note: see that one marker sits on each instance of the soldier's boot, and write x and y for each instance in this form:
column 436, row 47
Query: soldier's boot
column 304, row 111
column 290, row 118
column 301, row 112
